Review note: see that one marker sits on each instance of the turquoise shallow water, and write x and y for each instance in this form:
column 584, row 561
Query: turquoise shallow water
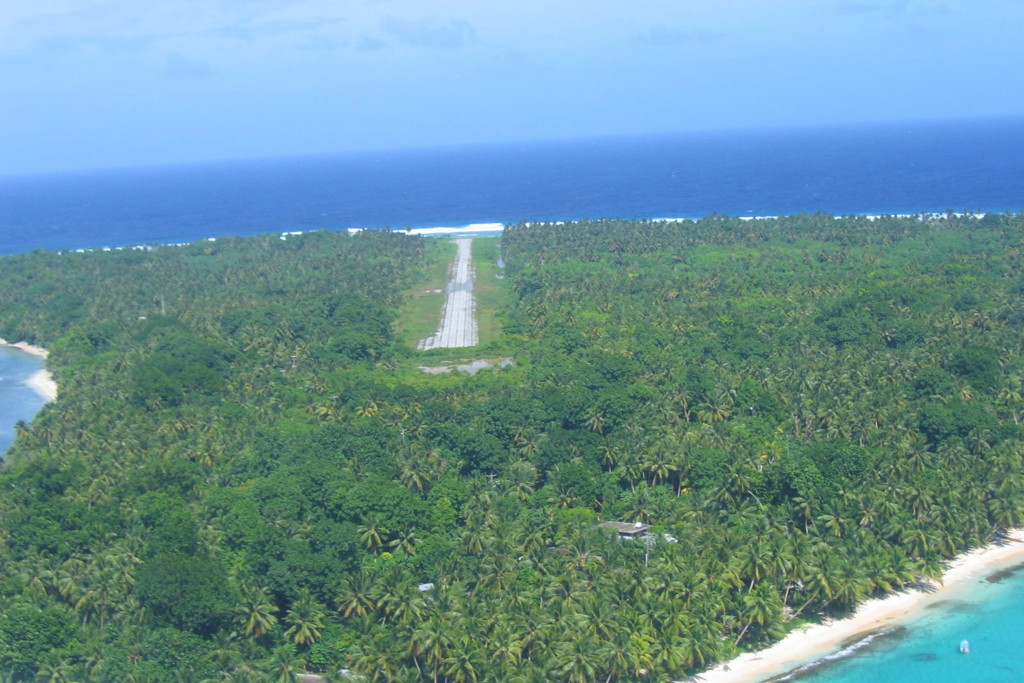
column 989, row 613
column 18, row 401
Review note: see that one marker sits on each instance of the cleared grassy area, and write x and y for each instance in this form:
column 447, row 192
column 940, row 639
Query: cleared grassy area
column 491, row 293
column 422, row 311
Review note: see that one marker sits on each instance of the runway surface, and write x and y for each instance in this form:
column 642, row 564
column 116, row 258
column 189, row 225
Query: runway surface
column 458, row 320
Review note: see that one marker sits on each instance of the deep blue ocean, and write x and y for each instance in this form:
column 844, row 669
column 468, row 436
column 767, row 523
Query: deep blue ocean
column 868, row 169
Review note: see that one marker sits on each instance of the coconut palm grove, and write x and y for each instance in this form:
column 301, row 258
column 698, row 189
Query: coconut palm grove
column 247, row 477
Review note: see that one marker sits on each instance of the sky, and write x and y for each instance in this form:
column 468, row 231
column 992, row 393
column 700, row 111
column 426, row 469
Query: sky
column 107, row 83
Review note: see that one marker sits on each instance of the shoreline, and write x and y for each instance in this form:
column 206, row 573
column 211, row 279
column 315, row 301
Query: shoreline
column 42, row 381
column 492, row 228
column 44, row 385
column 815, row 641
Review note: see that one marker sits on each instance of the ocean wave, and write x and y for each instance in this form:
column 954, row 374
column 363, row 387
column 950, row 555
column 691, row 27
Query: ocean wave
column 845, row 653
column 471, row 229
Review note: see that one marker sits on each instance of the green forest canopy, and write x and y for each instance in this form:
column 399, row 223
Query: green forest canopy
column 243, row 476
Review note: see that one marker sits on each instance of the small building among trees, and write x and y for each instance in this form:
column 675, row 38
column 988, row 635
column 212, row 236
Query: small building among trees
column 625, row 530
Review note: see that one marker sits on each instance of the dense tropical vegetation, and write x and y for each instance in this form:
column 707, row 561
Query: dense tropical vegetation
column 245, row 477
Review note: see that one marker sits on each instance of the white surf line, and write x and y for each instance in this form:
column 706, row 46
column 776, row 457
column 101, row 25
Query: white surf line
column 458, row 320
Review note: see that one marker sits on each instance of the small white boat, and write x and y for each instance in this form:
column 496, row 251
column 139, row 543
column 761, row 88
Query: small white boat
column 965, row 647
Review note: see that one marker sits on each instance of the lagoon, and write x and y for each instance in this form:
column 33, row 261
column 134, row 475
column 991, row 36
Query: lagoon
column 18, row 400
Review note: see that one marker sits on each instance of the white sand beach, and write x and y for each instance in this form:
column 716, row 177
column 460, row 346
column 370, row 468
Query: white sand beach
column 44, row 385
column 41, row 381
column 816, row 641
column 27, row 348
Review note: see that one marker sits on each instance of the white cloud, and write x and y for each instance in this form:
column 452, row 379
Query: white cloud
column 180, row 67
column 666, row 36
column 31, row 24
column 430, row 33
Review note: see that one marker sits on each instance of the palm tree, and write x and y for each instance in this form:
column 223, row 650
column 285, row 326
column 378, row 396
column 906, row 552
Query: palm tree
column 641, row 652
column 615, row 658
column 378, row 661
column 575, row 660
column 389, row 592
column 372, row 532
column 405, row 541
column 601, row 619
column 506, row 646
column 306, row 619
column 1005, row 512
column 595, row 419
column 368, row 409
column 762, row 605
column 658, row 465
column 669, row 655
column 851, row 585
column 475, row 537
column 756, row 561
column 282, row 664
column 414, row 473
column 256, row 612
column 461, row 665
column 432, row 639
column 35, row 576
column 630, row 469
column 642, row 505
column 92, row 651
column 55, row 669
column 522, row 477
column 529, row 442
column 410, row 606
column 718, row 408
column 224, row 652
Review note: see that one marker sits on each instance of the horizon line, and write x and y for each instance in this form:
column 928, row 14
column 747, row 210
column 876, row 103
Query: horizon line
column 156, row 165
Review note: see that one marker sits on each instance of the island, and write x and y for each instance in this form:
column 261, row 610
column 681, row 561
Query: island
column 711, row 433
